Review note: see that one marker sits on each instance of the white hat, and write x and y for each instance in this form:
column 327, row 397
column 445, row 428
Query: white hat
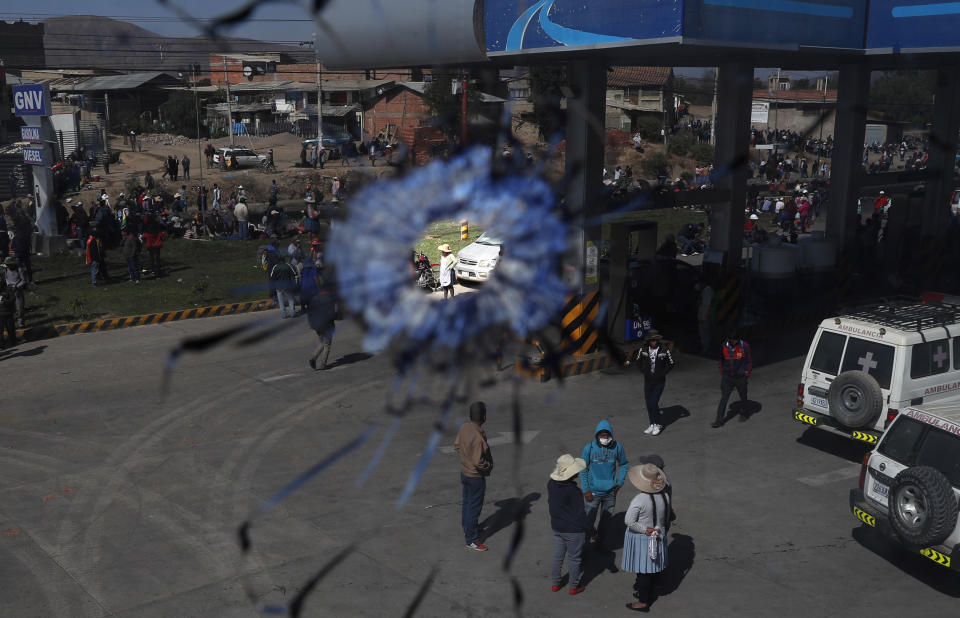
column 881, row 193
column 648, row 478
column 754, row 217
column 568, row 466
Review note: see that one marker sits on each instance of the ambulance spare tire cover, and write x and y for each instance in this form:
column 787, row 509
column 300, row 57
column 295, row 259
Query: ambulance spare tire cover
column 923, row 509
column 855, row 399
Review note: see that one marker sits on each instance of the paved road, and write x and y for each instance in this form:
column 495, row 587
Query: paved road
column 118, row 501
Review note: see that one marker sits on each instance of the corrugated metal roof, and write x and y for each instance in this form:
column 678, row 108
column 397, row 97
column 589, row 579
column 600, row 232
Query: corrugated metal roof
column 632, row 107
column 128, row 81
column 796, row 96
column 347, row 85
column 421, row 86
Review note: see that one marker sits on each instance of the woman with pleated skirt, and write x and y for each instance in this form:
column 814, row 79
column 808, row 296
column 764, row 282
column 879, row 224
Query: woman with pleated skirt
column 644, row 542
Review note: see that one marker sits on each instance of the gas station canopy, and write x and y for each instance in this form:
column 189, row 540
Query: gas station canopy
column 767, row 32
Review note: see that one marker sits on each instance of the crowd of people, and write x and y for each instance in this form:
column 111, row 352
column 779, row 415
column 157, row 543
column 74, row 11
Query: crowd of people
column 913, row 153
column 581, row 514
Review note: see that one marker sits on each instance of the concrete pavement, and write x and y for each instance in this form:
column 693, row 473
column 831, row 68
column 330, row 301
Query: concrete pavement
column 120, row 502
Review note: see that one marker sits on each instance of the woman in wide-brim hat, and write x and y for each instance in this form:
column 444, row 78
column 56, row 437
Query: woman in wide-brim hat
column 644, row 542
column 448, row 262
column 311, row 223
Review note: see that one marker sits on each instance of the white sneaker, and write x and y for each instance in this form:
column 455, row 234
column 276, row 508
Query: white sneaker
column 649, row 429
column 656, row 430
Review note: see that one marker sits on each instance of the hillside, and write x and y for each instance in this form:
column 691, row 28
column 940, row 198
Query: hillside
column 89, row 41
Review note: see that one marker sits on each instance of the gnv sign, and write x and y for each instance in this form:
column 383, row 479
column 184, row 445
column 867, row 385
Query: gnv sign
column 31, row 100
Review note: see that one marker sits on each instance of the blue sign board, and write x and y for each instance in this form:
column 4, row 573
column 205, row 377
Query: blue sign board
column 913, row 24
column 808, row 23
column 35, row 156
column 30, row 134
column 512, row 26
column 637, row 329
column 31, row 100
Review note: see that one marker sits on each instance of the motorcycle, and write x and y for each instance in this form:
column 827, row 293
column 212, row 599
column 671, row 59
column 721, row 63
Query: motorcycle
column 424, row 274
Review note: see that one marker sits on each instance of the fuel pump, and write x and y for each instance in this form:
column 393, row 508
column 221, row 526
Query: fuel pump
column 631, row 278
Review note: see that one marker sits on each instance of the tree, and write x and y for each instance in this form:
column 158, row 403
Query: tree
column 904, row 95
column 649, row 128
column 180, row 113
column 446, row 105
column 545, row 94
column 697, row 90
column 802, row 84
column 680, row 143
column 703, row 153
column 653, row 163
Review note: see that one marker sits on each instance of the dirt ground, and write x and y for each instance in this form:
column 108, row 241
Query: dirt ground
column 286, row 152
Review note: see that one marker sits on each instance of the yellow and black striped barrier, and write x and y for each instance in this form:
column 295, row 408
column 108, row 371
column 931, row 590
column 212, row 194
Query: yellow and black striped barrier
column 580, row 367
column 728, row 304
column 96, row 326
column 865, row 517
column 532, row 368
column 804, row 418
column 464, row 229
column 931, row 259
column 579, row 324
column 844, row 271
column 869, row 438
column 936, row 556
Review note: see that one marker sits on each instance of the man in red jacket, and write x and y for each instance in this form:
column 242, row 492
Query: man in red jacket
column 736, row 365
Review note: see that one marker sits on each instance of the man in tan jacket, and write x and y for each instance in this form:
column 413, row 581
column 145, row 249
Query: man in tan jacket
column 476, row 462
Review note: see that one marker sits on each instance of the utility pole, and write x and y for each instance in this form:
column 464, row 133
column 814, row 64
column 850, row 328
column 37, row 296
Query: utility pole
column 106, row 126
column 776, row 104
column 196, row 107
column 463, row 110
column 226, row 78
column 319, row 111
column 823, row 118
column 713, row 111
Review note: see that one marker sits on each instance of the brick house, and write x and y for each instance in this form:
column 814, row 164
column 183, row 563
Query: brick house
column 401, row 107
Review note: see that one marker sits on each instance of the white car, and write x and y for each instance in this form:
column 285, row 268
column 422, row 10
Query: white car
column 245, row 156
column 910, row 483
column 478, row 259
column 865, row 366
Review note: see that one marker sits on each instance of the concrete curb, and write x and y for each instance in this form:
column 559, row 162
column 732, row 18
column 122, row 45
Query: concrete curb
column 49, row 332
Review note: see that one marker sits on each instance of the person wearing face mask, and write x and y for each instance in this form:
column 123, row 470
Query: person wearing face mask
column 655, row 361
column 603, row 477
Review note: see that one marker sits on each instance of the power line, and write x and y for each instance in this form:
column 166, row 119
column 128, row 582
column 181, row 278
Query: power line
column 161, row 37
column 149, row 19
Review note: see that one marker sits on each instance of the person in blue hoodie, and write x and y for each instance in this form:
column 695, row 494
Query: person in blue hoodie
column 604, row 476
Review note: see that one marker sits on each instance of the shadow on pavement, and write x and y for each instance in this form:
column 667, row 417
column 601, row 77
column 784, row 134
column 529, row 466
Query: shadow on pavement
column 746, row 409
column 939, row 578
column 681, row 553
column 349, row 359
column 672, row 414
column 37, row 351
column 834, row 444
column 601, row 556
column 508, row 511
